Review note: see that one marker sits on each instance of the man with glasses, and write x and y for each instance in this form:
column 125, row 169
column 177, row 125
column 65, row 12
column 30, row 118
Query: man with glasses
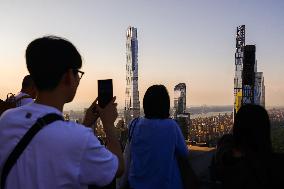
column 62, row 154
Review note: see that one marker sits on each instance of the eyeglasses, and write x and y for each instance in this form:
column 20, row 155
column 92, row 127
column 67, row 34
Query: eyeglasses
column 80, row 73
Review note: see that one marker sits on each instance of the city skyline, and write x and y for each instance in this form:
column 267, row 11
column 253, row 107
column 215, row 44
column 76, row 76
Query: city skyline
column 187, row 42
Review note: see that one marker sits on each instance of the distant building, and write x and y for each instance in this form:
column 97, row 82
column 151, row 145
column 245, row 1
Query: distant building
column 259, row 89
column 179, row 111
column 132, row 103
column 248, row 75
column 262, row 97
column 248, row 83
column 239, row 56
column 179, row 99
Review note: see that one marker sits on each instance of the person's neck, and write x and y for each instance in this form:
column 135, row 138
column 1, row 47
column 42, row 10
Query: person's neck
column 50, row 99
column 24, row 91
column 28, row 92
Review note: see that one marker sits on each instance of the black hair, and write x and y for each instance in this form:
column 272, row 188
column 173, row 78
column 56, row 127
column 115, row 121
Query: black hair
column 27, row 82
column 48, row 58
column 252, row 129
column 156, row 102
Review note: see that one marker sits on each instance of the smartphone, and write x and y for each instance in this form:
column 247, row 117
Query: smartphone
column 105, row 92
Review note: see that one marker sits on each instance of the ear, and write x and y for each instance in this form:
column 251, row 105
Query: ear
column 34, row 92
column 68, row 77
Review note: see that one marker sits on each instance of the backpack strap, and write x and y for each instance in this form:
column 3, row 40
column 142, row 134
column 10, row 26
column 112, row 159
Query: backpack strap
column 23, row 143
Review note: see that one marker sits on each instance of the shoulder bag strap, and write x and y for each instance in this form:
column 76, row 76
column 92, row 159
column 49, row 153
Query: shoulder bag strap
column 20, row 147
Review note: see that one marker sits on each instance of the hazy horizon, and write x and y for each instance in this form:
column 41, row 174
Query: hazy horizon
column 179, row 41
column 187, row 108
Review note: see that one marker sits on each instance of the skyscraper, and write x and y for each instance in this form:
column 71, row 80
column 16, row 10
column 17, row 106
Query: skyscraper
column 179, row 99
column 180, row 115
column 248, row 83
column 248, row 75
column 132, row 103
column 239, row 55
column 259, row 89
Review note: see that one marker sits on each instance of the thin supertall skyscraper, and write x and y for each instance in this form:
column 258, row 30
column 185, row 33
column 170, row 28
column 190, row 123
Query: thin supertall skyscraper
column 132, row 103
column 239, row 56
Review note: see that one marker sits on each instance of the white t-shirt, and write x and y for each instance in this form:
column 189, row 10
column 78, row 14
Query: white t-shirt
column 61, row 155
column 23, row 101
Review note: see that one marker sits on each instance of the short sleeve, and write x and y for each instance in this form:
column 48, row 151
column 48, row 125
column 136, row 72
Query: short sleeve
column 98, row 164
column 181, row 147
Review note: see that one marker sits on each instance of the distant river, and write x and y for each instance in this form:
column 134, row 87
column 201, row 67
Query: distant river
column 203, row 115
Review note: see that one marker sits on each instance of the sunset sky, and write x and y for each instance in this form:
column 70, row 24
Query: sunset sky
column 179, row 41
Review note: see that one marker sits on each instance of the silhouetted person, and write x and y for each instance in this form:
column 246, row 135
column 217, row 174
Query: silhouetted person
column 28, row 92
column 243, row 159
column 63, row 154
column 156, row 141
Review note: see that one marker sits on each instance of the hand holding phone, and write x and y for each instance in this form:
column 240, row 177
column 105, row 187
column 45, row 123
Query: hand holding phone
column 91, row 115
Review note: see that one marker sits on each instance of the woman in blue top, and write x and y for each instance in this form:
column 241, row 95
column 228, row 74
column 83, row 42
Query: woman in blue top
column 156, row 140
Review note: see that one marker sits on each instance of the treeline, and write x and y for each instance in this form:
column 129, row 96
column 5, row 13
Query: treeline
column 277, row 135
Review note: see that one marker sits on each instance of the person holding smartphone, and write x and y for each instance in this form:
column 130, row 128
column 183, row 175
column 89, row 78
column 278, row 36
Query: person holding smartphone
column 62, row 154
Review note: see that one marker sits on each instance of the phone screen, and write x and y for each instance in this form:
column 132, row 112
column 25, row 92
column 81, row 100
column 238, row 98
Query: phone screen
column 105, row 92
